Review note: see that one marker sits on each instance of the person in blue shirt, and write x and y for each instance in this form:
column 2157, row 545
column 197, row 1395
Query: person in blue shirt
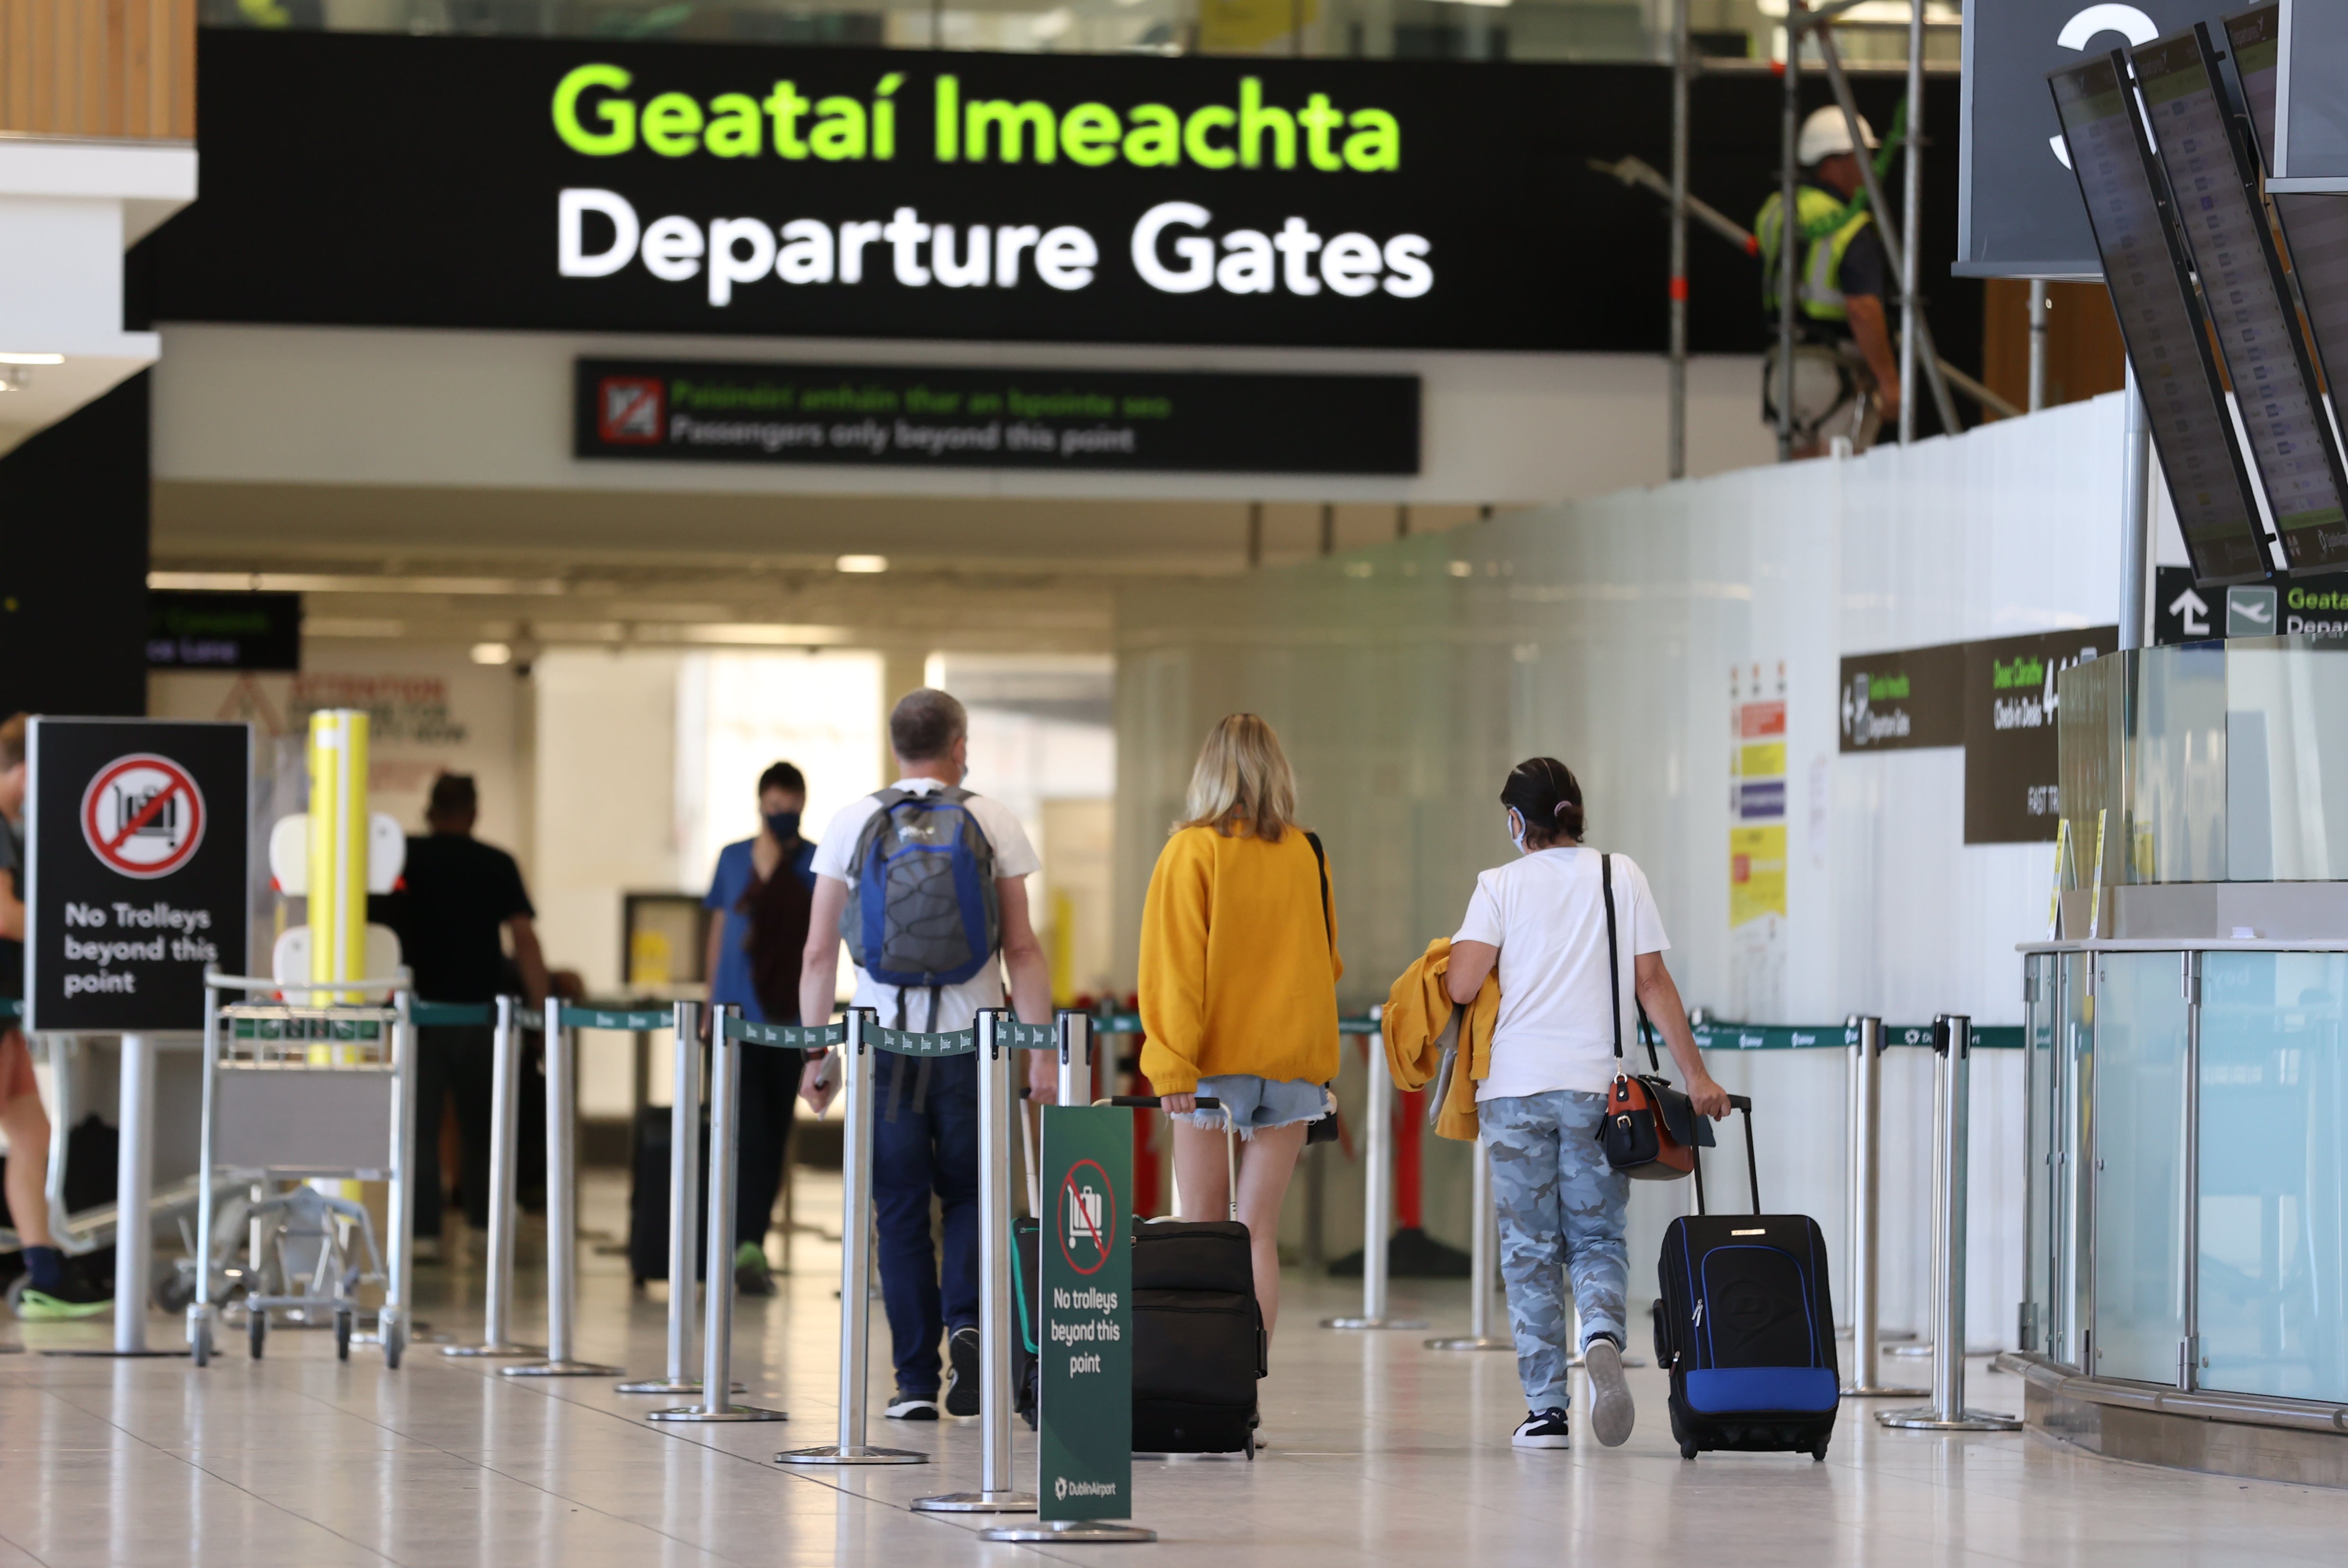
column 758, row 902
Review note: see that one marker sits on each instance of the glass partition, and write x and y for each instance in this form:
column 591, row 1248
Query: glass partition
column 2040, row 1096
column 2273, row 1195
column 2072, row 1228
column 2139, row 1087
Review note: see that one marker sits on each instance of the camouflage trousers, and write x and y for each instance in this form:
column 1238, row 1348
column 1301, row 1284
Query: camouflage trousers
column 1562, row 1212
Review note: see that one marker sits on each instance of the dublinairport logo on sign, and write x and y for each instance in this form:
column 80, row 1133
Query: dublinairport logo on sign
column 603, row 112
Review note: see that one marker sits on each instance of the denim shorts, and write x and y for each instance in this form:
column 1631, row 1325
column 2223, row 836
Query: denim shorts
column 1255, row 1102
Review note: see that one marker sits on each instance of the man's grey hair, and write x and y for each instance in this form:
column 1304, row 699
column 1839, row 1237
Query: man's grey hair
column 925, row 724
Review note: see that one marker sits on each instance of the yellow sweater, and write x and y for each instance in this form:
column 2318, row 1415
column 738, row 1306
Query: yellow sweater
column 1239, row 963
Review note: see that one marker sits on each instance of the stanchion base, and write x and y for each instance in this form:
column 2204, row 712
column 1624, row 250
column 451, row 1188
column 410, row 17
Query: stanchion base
column 1854, row 1393
column 837, row 1455
column 1925, row 1419
column 563, row 1369
column 501, row 1349
column 1373, row 1322
column 1471, row 1343
column 723, row 1413
column 669, row 1385
column 1068, row 1530
column 121, row 1355
column 977, row 1502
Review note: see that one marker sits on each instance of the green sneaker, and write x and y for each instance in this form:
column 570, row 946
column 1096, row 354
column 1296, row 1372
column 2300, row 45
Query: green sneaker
column 64, row 1305
column 750, row 1275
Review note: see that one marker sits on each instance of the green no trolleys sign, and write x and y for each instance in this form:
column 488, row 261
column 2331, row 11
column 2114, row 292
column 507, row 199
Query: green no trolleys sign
column 1085, row 1339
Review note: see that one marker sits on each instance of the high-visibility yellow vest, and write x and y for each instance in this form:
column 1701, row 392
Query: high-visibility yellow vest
column 1821, row 292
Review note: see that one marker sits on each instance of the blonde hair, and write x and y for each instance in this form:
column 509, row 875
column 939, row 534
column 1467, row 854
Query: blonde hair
column 1243, row 781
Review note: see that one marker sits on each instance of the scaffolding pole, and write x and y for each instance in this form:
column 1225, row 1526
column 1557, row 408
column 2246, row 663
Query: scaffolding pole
column 1911, row 243
column 1679, row 289
column 1789, row 231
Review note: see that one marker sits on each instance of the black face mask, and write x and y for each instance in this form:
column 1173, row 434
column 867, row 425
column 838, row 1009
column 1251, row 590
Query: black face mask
column 783, row 825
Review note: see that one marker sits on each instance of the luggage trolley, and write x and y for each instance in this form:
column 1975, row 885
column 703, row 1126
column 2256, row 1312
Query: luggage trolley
column 294, row 1092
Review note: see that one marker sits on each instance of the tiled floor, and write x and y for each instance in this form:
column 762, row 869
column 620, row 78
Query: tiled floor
column 1380, row 1450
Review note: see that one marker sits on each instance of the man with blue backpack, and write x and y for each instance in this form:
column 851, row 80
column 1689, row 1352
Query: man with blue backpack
column 927, row 884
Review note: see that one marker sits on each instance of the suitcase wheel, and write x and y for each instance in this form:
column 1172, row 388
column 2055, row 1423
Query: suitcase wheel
column 1687, row 1450
column 1819, row 1454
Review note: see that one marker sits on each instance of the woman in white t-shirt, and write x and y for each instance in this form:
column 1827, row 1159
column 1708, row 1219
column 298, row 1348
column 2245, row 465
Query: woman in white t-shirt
column 1542, row 919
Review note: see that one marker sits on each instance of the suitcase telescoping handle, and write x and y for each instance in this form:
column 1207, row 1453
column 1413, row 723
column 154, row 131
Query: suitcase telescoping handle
column 1204, row 1102
column 1752, row 1165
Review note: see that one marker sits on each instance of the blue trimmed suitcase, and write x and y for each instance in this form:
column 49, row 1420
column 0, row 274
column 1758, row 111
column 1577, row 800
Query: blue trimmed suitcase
column 1746, row 1326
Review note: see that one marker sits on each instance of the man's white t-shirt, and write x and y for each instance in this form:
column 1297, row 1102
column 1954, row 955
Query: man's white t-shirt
column 1013, row 856
column 1547, row 914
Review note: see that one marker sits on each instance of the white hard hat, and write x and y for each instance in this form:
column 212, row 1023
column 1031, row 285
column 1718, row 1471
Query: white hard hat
column 1825, row 134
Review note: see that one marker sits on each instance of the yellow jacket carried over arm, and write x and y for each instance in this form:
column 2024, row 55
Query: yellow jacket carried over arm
column 1418, row 1010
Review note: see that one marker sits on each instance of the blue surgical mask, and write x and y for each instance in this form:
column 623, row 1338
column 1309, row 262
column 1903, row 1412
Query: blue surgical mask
column 1517, row 830
column 783, row 825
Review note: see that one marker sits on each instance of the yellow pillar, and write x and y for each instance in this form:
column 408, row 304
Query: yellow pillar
column 338, row 847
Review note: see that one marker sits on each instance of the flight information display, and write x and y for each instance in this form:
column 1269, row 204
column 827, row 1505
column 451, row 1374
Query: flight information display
column 2213, row 178
column 2161, row 323
column 2314, row 228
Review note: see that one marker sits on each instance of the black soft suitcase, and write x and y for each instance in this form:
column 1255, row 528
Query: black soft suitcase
column 648, row 1196
column 1199, row 1343
column 1745, row 1325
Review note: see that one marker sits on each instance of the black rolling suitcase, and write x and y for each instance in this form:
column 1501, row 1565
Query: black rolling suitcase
column 648, row 1196
column 1199, row 1343
column 1745, row 1325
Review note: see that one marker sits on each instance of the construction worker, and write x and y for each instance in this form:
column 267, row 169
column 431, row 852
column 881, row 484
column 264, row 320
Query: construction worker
column 1846, row 381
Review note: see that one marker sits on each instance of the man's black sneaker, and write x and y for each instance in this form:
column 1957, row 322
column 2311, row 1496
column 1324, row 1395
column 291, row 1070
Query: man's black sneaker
column 961, row 1379
column 1541, row 1429
column 904, row 1406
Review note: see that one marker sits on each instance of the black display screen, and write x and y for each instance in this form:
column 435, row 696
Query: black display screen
column 2314, row 228
column 2213, row 179
column 2161, row 322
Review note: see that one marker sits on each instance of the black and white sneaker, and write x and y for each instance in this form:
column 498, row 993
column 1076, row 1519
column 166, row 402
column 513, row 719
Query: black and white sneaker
column 961, row 1376
column 1541, row 1429
column 904, row 1406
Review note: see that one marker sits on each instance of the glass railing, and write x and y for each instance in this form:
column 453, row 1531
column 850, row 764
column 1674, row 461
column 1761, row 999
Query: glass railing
column 1871, row 33
column 2188, row 1198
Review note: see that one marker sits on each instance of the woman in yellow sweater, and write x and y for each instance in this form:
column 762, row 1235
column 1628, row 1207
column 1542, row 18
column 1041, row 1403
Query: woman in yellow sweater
column 1238, row 984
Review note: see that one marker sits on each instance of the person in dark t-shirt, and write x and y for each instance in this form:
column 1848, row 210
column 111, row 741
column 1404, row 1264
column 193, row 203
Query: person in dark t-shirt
column 459, row 900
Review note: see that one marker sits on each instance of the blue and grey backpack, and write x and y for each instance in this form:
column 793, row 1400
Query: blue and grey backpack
column 922, row 911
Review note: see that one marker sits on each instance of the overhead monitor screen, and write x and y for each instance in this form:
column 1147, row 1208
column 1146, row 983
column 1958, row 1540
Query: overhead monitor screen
column 2314, row 228
column 2213, row 178
column 2161, row 323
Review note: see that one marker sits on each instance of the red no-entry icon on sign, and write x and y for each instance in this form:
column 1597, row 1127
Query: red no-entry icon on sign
column 142, row 816
column 1087, row 1223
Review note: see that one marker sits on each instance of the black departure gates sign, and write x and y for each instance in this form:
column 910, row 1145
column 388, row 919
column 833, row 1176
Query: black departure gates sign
column 200, row 631
column 2213, row 178
column 926, row 416
column 633, row 186
column 135, row 837
column 2161, row 322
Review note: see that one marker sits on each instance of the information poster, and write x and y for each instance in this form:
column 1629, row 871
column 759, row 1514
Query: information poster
column 1757, row 841
column 1085, row 1387
column 135, row 833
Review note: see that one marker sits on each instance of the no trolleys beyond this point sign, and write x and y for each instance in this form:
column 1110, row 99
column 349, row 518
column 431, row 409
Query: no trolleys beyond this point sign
column 1084, row 1414
column 143, row 816
column 136, row 860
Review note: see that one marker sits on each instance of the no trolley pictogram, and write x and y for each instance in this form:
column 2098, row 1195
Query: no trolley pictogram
column 1087, row 1216
column 142, row 816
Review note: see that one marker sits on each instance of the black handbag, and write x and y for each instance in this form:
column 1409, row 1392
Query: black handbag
column 1651, row 1131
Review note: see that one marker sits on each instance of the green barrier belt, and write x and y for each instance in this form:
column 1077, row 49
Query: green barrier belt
column 641, row 1021
column 1130, row 1024
column 790, row 1036
column 531, row 1017
column 12, row 1007
column 323, row 1026
column 430, row 1015
column 1014, row 1035
column 1805, row 1036
column 906, row 1043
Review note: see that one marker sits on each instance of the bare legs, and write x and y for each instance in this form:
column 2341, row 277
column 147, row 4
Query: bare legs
column 1266, row 1162
column 27, row 1127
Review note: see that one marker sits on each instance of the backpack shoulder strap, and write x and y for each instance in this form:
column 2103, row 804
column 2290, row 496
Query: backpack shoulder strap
column 1321, row 864
column 1613, row 958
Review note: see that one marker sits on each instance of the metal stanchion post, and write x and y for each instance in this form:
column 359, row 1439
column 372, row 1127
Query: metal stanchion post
column 1378, row 1209
column 201, row 1310
column 1075, row 1039
column 134, row 1233
column 855, row 1261
column 1480, row 1267
column 683, row 1205
column 1952, row 1037
column 562, row 1214
column 995, row 1493
column 717, row 1289
column 505, row 1118
column 1866, row 1377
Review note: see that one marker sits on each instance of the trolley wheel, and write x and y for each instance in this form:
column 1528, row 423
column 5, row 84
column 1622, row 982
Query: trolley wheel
column 174, row 1292
column 1687, row 1450
column 342, row 1333
column 256, row 1329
